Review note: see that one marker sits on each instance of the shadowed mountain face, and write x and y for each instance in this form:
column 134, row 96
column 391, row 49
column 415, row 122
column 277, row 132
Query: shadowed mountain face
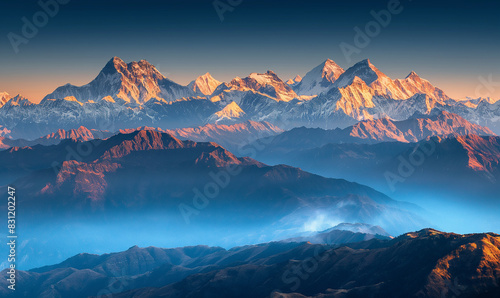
column 145, row 267
column 451, row 157
column 462, row 165
column 320, row 79
column 232, row 137
column 423, row 264
column 427, row 263
column 415, row 129
column 455, row 177
column 189, row 185
column 167, row 170
column 135, row 82
column 79, row 134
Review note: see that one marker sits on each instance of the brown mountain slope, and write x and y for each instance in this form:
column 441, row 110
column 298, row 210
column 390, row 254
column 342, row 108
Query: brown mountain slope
column 427, row 263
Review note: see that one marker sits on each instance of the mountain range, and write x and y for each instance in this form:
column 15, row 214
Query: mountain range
column 134, row 158
column 232, row 137
column 137, row 94
column 427, row 263
column 187, row 184
column 158, row 163
column 414, row 129
column 458, row 168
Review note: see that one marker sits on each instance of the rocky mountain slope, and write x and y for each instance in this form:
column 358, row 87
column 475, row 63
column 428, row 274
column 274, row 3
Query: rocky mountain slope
column 427, row 263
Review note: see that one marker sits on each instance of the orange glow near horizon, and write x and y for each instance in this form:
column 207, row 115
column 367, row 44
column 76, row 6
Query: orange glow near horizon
column 36, row 87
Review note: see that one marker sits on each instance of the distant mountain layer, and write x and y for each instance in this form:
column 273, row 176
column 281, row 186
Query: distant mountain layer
column 104, row 175
column 414, row 129
column 124, row 96
column 79, row 134
column 232, row 137
column 427, row 263
column 463, row 167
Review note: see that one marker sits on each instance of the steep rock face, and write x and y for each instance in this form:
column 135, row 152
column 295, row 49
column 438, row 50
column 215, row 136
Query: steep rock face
column 83, row 178
column 17, row 101
column 267, row 83
column 355, row 99
column 414, row 84
column 4, row 97
column 483, row 152
column 474, row 102
column 453, row 276
column 320, row 79
column 136, row 82
column 384, row 86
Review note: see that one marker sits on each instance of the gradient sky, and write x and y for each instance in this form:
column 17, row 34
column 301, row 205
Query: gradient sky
column 451, row 43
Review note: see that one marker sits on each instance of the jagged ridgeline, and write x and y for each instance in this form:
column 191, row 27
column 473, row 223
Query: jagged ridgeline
column 137, row 94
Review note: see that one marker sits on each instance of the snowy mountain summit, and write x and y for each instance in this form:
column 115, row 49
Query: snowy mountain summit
column 135, row 94
column 135, row 82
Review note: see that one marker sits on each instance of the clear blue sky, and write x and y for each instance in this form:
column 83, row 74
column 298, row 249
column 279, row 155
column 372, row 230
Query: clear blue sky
column 450, row 43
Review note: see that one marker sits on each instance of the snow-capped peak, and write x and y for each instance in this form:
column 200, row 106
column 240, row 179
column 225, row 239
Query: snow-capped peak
column 414, row 84
column 331, row 71
column 294, row 81
column 18, row 100
column 4, row 97
column 114, row 65
column 232, row 110
column 412, row 75
column 229, row 113
column 364, row 69
column 264, row 78
column 205, row 84
column 265, row 83
column 320, row 79
column 135, row 82
column 384, row 86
